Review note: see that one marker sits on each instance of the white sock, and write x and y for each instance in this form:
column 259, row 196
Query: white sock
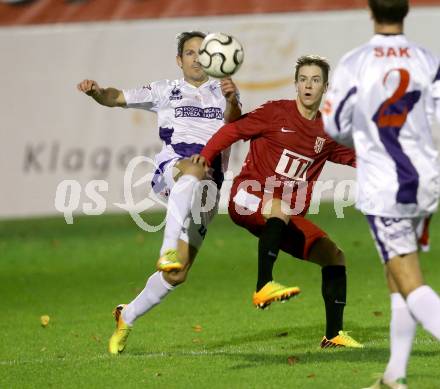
column 155, row 290
column 179, row 207
column 402, row 330
column 424, row 305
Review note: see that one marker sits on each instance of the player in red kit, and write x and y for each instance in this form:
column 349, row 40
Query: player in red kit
column 288, row 150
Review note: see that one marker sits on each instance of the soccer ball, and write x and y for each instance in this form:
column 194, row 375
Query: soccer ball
column 220, row 55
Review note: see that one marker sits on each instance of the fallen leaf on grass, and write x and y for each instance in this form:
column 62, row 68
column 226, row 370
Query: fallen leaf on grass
column 197, row 328
column 292, row 360
column 96, row 338
column 44, row 320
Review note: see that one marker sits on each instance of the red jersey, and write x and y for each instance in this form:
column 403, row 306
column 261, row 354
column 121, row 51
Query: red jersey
column 286, row 149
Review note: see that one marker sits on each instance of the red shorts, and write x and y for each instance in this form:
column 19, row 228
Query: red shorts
column 299, row 236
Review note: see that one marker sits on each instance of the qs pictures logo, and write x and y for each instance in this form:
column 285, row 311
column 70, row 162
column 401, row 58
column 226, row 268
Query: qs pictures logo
column 69, row 193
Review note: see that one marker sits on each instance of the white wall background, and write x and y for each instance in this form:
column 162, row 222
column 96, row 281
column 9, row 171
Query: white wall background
column 50, row 132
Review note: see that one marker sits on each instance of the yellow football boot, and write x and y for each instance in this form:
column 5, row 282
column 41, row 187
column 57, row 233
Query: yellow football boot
column 273, row 291
column 117, row 341
column 340, row 340
column 168, row 261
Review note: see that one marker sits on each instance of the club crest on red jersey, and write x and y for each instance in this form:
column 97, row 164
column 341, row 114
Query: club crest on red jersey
column 319, row 144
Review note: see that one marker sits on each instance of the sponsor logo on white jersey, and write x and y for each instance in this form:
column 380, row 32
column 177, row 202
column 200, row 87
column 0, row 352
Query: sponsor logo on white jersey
column 176, row 94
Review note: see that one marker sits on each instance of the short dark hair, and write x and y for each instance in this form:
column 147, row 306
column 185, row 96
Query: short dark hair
column 186, row 36
column 317, row 60
column 389, row 11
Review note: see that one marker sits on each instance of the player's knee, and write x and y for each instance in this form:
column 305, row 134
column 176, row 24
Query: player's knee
column 175, row 278
column 325, row 253
column 338, row 257
column 197, row 171
column 189, row 168
column 334, row 255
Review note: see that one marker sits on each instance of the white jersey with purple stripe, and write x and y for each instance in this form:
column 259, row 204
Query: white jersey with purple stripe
column 187, row 118
column 382, row 99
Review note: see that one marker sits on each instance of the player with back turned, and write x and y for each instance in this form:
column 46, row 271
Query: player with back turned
column 382, row 99
column 288, row 150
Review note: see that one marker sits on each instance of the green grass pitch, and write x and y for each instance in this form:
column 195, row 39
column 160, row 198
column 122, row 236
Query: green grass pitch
column 206, row 334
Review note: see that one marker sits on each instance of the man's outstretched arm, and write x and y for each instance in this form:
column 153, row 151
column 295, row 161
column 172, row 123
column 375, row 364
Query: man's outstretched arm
column 110, row 97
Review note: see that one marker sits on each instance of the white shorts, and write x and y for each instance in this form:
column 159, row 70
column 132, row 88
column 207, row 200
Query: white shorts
column 399, row 236
column 202, row 212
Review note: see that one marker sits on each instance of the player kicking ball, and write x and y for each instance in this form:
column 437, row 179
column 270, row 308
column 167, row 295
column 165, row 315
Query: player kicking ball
column 190, row 110
column 288, row 150
column 383, row 97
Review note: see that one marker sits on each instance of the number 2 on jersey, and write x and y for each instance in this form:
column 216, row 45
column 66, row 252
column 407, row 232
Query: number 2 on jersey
column 394, row 110
column 390, row 118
